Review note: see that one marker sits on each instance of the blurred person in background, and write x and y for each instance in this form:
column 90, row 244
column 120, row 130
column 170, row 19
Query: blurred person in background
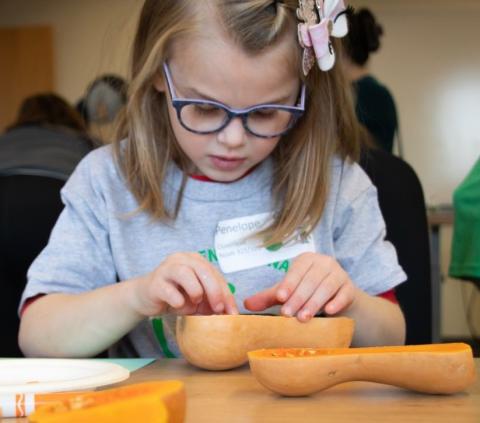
column 104, row 99
column 465, row 252
column 48, row 138
column 375, row 106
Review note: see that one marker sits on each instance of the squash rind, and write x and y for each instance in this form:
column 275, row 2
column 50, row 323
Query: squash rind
column 221, row 342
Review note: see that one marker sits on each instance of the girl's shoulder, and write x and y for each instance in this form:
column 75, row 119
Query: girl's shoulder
column 97, row 171
column 348, row 180
column 100, row 162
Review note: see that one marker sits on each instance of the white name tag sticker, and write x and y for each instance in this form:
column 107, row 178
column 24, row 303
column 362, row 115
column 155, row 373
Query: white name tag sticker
column 237, row 250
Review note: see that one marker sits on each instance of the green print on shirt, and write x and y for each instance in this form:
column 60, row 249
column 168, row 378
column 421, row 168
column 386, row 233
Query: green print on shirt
column 283, row 265
column 157, row 324
column 210, row 255
column 275, row 247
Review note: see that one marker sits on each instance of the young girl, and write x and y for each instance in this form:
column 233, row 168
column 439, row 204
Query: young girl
column 232, row 191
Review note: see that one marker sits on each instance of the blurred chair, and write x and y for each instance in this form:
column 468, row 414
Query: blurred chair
column 402, row 204
column 30, row 206
column 475, row 281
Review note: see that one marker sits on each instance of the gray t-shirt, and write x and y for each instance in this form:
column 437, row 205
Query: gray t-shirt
column 96, row 243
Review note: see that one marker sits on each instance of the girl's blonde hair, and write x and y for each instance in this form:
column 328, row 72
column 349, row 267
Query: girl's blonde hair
column 302, row 158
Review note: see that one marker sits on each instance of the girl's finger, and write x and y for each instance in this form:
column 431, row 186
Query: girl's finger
column 213, row 288
column 188, row 309
column 183, row 276
column 262, row 300
column 324, row 292
column 204, row 309
column 230, row 303
column 169, row 294
column 342, row 300
column 229, row 298
column 304, row 290
column 300, row 266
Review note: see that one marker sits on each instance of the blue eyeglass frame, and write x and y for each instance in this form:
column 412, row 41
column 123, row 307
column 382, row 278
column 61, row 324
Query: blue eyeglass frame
column 231, row 113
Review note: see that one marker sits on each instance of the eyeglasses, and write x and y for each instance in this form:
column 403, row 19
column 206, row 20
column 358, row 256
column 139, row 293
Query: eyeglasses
column 207, row 117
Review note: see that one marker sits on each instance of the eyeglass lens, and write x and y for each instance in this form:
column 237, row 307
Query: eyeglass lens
column 262, row 121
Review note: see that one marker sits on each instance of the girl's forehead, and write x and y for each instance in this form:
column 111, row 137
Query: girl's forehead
column 213, row 64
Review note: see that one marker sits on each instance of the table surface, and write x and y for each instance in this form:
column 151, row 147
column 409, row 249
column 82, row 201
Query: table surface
column 236, row 397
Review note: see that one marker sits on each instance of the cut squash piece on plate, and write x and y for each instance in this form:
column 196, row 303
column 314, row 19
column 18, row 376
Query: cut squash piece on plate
column 149, row 402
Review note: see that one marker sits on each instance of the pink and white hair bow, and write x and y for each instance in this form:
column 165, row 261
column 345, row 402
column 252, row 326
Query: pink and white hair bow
column 322, row 19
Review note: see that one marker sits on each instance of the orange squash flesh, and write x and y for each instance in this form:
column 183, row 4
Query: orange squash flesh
column 221, row 342
column 433, row 369
column 149, row 402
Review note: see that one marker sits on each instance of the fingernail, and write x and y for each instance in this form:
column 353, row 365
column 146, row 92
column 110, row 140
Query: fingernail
column 282, row 295
column 305, row 315
column 287, row 311
column 219, row 308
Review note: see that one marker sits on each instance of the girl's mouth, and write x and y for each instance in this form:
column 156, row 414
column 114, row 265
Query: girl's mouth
column 226, row 163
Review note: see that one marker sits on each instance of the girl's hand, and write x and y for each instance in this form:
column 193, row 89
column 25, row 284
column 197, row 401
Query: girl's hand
column 185, row 283
column 313, row 283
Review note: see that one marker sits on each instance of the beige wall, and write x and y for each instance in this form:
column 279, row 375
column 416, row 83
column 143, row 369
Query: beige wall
column 429, row 60
column 90, row 36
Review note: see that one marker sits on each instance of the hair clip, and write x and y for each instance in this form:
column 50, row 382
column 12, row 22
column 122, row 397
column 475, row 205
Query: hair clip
column 322, row 19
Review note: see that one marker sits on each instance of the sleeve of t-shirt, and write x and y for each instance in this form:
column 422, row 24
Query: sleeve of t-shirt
column 359, row 237
column 77, row 257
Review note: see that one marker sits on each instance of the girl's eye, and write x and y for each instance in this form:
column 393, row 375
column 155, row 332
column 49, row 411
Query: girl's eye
column 206, row 109
column 263, row 113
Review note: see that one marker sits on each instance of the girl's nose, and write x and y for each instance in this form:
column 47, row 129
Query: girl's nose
column 233, row 135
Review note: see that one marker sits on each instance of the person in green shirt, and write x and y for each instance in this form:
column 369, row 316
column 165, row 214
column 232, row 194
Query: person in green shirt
column 465, row 252
column 375, row 106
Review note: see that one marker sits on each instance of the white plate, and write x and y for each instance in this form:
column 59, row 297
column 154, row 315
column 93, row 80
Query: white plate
column 55, row 375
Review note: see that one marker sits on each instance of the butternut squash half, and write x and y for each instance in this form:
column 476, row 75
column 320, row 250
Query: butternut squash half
column 221, row 342
column 433, row 369
column 148, row 402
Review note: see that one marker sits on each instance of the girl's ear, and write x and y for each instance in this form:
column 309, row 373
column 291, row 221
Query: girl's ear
column 159, row 83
